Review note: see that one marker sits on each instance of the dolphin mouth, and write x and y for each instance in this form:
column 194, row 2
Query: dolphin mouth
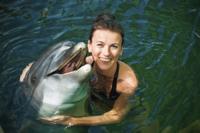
column 72, row 63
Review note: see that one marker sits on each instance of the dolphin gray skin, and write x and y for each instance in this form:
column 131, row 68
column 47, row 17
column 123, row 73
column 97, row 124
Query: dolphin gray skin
column 56, row 82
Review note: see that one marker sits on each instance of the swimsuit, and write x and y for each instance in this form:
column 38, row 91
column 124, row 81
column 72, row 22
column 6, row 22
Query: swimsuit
column 99, row 97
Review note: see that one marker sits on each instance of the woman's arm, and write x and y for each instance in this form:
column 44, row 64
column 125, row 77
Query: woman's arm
column 120, row 108
column 115, row 115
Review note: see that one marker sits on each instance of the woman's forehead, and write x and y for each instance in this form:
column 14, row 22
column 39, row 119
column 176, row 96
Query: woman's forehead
column 107, row 36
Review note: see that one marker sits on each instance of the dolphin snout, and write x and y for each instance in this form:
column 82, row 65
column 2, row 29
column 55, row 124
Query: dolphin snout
column 80, row 45
column 83, row 72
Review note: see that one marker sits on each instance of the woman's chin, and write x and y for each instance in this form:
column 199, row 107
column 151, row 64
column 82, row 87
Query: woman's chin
column 104, row 65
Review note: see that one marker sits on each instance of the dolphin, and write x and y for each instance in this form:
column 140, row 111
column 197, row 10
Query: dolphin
column 57, row 82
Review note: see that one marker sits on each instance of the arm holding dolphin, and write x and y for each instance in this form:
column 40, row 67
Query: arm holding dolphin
column 115, row 115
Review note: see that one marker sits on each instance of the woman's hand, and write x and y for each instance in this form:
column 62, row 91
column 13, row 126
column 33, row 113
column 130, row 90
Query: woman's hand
column 59, row 119
column 24, row 72
column 89, row 59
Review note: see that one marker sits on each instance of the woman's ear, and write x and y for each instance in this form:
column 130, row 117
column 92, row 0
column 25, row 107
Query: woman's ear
column 89, row 46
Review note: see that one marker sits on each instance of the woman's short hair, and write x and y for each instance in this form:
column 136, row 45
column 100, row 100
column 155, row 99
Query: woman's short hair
column 106, row 21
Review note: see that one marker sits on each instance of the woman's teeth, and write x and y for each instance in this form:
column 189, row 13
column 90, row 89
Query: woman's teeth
column 105, row 59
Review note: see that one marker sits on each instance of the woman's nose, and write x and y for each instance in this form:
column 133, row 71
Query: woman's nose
column 106, row 51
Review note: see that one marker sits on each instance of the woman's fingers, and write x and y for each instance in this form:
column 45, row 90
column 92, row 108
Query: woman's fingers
column 89, row 59
column 55, row 119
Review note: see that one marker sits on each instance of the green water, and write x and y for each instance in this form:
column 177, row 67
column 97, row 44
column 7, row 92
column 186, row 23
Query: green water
column 161, row 44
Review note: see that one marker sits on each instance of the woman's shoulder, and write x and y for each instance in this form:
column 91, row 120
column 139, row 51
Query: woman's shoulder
column 127, row 81
column 126, row 71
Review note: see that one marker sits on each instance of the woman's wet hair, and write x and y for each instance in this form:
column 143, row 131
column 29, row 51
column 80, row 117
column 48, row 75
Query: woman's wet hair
column 106, row 21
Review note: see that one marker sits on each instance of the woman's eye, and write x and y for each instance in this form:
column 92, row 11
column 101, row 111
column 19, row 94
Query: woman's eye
column 114, row 46
column 100, row 45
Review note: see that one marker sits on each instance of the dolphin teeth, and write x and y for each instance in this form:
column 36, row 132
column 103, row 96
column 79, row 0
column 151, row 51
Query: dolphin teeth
column 73, row 62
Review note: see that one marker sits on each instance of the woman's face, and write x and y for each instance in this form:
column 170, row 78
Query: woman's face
column 106, row 47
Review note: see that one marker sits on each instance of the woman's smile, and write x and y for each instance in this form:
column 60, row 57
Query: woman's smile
column 105, row 59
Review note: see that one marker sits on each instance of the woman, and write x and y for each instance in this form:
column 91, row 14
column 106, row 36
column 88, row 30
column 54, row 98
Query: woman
column 113, row 81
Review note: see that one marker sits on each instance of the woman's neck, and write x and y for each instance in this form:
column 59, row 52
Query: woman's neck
column 107, row 73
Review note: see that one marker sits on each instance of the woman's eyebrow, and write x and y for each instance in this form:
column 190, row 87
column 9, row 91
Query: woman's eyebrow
column 115, row 43
column 99, row 42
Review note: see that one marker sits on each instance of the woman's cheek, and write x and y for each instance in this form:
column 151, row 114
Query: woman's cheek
column 94, row 55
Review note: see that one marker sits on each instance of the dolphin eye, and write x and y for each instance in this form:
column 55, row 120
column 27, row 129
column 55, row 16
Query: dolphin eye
column 33, row 79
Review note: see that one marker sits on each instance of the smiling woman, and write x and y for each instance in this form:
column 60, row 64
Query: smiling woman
column 112, row 81
column 106, row 49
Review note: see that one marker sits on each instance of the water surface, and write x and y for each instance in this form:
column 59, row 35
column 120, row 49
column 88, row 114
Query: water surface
column 161, row 45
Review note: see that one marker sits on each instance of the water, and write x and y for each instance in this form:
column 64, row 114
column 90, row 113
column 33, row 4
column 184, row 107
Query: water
column 161, row 44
